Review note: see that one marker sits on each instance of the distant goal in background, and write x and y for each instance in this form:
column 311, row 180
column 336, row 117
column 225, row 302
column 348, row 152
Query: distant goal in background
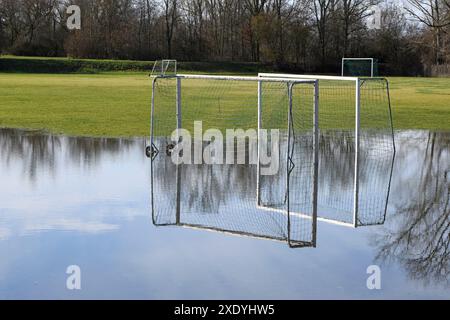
column 360, row 67
column 164, row 68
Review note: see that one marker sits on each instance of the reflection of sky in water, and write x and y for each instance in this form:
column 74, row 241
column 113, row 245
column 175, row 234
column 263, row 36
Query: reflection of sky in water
column 67, row 201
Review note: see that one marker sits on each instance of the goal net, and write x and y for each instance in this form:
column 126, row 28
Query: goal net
column 356, row 149
column 237, row 196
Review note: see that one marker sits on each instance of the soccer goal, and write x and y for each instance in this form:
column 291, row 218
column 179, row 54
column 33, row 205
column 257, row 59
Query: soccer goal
column 360, row 67
column 236, row 196
column 164, row 68
column 356, row 148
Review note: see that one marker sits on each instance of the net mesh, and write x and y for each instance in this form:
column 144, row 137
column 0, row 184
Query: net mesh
column 376, row 152
column 302, row 177
column 337, row 150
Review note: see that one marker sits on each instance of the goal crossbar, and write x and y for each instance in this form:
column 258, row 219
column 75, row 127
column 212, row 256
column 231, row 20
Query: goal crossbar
column 243, row 78
column 305, row 76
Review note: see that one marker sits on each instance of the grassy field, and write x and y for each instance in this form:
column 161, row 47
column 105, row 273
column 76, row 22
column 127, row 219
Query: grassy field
column 118, row 104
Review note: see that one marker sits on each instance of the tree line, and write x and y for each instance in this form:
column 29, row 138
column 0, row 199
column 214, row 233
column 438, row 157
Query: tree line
column 309, row 35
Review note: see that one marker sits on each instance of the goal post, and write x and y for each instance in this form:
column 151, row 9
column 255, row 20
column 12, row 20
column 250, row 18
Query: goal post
column 226, row 197
column 357, row 136
column 360, row 67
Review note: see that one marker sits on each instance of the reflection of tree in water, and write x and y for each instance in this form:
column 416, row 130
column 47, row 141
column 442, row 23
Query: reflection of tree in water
column 210, row 187
column 337, row 159
column 34, row 150
column 337, row 175
column 38, row 151
column 420, row 239
column 204, row 188
column 89, row 151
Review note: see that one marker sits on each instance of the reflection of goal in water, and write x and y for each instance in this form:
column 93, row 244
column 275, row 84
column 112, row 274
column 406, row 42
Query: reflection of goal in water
column 232, row 198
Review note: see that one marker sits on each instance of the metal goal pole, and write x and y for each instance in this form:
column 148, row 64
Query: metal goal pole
column 316, row 162
column 357, row 145
column 179, row 126
column 259, row 141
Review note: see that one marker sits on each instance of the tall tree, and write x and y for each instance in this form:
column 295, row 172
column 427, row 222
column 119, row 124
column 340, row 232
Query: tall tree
column 322, row 10
column 352, row 14
column 255, row 9
column 434, row 14
column 36, row 14
column 170, row 16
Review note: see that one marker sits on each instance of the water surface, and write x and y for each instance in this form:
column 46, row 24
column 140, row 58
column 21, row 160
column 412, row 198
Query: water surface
column 79, row 201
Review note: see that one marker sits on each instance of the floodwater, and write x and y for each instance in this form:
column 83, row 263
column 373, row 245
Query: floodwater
column 88, row 202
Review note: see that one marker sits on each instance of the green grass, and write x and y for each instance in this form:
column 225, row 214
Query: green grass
column 421, row 103
column 118, row 104
column 87, row 105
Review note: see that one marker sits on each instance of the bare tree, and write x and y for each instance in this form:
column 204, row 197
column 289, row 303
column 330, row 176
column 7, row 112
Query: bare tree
column 322, row 10
column 255, row 9
column 195, row 14
column 36, row 13
column 10, row 12
column 352, row 14
column 434, row 14
column 283, row 10
column 170, row 8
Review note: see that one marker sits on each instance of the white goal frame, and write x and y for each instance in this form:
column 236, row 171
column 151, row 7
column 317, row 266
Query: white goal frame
column 372, row 64
column 357, row 82
column 291, row 82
